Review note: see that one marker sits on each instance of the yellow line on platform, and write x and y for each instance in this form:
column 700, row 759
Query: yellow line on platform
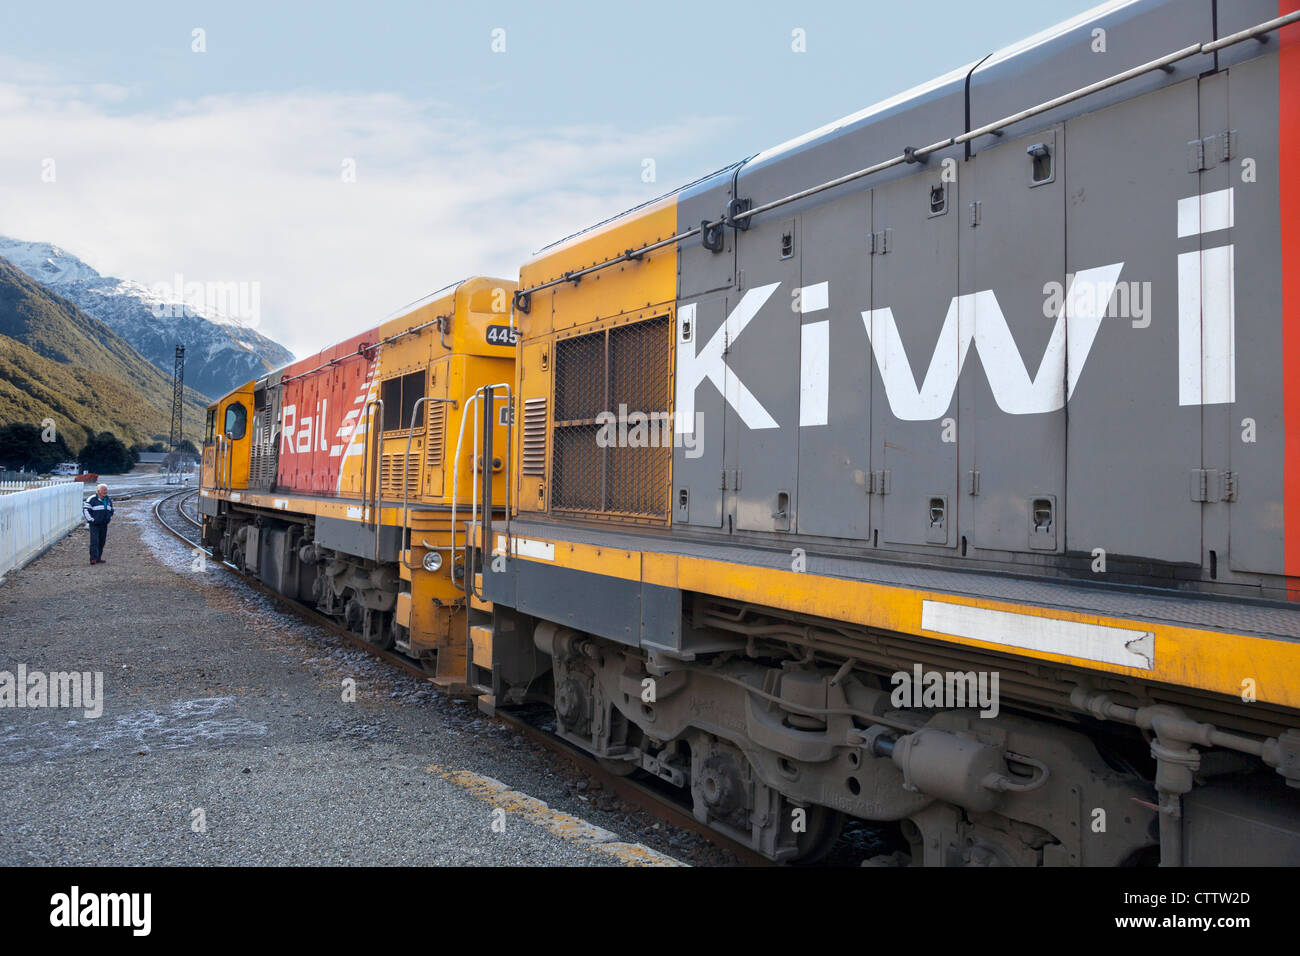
column 564, row 825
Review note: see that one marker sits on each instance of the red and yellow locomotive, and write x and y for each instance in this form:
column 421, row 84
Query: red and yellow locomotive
column 1033, row 604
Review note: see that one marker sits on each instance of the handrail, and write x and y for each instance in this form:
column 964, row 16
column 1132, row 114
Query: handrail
column 914, row 155
column 455, row 475
column 365, row 469
column 509, row 398
column 406, row 467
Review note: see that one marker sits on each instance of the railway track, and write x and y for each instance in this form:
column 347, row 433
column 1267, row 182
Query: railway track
column 182, row 522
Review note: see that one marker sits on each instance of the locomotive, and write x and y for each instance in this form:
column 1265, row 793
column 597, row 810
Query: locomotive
column 934, row 469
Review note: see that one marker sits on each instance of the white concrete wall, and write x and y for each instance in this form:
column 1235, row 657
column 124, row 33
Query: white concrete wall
column 33, row 515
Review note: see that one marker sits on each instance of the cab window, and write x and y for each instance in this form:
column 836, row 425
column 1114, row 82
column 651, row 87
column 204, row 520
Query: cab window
column 212, row 426
column 400, row 396
column 236, row 421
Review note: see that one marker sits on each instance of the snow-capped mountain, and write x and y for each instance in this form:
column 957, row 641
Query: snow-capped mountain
column 221, row 350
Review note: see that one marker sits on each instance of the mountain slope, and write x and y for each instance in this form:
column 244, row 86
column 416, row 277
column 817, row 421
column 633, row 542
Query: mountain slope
column 57, row 362
column 220, row 353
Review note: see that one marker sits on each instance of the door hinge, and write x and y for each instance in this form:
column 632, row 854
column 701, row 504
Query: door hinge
column 1210, row 485
column 1229, row 486
column 973, row 482
column 880, row 482
column 730, row 480
column 1199, row 484
column 1209, row 151
column 975, row 209
column 881, row 241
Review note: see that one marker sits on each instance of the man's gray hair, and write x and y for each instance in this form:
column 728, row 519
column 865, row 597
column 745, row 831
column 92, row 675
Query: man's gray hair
column 101, row 485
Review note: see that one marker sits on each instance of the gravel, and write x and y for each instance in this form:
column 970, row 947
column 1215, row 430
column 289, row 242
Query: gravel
column 217, row 700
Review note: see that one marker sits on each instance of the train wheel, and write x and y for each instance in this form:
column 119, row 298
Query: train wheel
column 824, row 827
column 618, row 768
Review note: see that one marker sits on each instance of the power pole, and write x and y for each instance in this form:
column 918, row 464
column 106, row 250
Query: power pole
column 178, row 414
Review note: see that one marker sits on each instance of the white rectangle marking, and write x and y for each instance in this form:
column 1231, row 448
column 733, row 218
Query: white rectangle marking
column 354, row 512
column 527, row 548
column 1207, row 349
column 814, row 373
column 814, row 298
column 1208, row 213
column 1189, row 328
column 1218, row 334
column 281, row 503
column 1093, row 642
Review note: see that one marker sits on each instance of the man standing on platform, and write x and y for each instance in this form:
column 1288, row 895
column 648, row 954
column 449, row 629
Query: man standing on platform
column 99, row 512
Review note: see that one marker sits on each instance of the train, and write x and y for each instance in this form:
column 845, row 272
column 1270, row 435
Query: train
column 936, row 470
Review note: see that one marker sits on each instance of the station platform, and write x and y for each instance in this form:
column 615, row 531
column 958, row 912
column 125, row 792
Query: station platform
column 226, row 731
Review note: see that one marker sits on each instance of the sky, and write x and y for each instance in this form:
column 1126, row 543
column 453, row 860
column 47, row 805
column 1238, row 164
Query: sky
column 348, row 158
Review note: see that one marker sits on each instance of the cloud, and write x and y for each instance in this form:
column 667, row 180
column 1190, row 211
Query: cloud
column 251, row 189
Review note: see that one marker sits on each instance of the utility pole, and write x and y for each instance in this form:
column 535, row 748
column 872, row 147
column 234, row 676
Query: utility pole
column 178, row 414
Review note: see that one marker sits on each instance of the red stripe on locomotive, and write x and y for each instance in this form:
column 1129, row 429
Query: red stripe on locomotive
column 321, row 413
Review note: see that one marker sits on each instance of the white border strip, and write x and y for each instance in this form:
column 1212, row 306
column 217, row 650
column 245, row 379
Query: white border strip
column 1093, row 642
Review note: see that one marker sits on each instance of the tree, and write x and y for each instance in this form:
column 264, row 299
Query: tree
column 186, row 448
column 23, row 446
column 105, row 454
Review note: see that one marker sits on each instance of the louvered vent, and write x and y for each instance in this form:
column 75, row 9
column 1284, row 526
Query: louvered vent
column 390, row 474
column 261, row 466
column 534, row 436
column 437, row 430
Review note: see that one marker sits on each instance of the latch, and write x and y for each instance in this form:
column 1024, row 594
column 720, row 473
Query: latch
column 781, row 516
column 1042, row 522
column 936, row 531
column 1040, row 155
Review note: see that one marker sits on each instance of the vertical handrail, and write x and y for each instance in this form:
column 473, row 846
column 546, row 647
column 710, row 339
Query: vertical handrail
column 406, row 465
column 489, row 426
column 366, row 468
column 488, row 391
column 455, row 475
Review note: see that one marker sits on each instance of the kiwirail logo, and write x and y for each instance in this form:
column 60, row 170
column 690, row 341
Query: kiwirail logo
column 76, row 909
column 946, row 689
column 78, row 690
column 632, row 429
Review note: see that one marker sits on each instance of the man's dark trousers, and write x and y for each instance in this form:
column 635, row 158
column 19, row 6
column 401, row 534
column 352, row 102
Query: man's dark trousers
column 98, row 535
